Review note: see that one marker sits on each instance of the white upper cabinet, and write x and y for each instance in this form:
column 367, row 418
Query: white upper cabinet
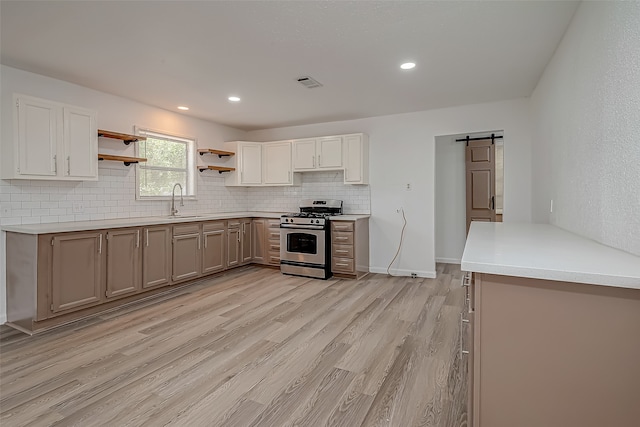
column 276, row 163
column 51, row 141
column 329, row 151
column 248, row 164
column 304, row 154
column 317, row 153
column 356, row 159
column 80, row 128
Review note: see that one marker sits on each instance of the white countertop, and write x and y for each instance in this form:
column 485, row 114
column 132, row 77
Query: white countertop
column 63, row 227
column 349, row 217
column 543, row 251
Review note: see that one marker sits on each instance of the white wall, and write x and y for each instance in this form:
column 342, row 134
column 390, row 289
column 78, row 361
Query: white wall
column 402, row 150
column 586, row 128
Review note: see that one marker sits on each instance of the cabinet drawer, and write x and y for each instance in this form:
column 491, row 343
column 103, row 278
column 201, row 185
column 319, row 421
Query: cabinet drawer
column 274, row 247
column 344, row 265
column 342, row 251
column 213, row 226
column 341, row 226
column 186, row 229
column 274, row 235
column 274, row 258
column 342, row 238
column 273, row 223
column 234, row 224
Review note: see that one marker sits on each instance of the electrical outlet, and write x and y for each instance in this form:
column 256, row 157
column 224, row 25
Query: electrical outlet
column 399, row 209
column 414, row 276
column 78, row 207
column 408, row 186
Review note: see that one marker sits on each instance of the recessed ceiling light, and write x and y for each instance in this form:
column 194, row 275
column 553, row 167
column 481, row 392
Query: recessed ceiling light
column 182, row 107
column 408, row 65
column 234, row 99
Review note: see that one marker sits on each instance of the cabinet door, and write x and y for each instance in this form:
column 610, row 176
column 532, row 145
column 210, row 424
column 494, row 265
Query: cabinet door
column 80, row 143
column 353, row 152
column 213, row 251
column 330, row 152
column 77, row 273
column 250, row 164
column 123, row 262
column 37, row 137
column 277, row 163
column 246, row 242
column 259, row 240
column 304, row 154
column 156, row 257
column 186, row 256
column 233, row 247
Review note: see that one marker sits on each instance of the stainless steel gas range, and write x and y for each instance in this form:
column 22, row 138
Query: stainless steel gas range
column 305, row 243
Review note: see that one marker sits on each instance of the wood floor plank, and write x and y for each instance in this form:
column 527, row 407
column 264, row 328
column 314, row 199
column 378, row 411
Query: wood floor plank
column 250, row 347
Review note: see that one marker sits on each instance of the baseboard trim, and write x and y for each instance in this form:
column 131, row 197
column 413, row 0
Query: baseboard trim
column 449, row 260
column 403, row 273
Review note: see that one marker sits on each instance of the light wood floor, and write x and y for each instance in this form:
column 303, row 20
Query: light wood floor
column 250, row 348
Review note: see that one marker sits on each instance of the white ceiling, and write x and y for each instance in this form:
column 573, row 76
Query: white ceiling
column 167, row 53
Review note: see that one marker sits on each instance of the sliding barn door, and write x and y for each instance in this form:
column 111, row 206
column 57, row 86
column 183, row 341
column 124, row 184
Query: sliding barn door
column 481, row 181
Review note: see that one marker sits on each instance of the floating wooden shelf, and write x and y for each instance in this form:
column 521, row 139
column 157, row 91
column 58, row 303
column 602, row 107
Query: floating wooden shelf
column 126, row 138
column 220, row 169
column 220, row 153
column 125, row 159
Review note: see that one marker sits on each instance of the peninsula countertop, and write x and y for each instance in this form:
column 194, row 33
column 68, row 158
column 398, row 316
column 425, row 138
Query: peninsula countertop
column 544, row 251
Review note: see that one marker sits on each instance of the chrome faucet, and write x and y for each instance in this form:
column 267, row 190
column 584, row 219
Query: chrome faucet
column 174, row 211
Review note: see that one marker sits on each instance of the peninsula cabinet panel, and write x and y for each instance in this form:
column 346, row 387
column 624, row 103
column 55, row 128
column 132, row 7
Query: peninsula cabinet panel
column 156, row 257
column 214, row 247
column 76, row 280
column 123, row 262
column 555, row 354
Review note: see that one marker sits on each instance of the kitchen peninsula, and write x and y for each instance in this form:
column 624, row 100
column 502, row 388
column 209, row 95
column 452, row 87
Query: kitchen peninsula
column 553, row 328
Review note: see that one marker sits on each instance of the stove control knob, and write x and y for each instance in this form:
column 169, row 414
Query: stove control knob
column 317, row 221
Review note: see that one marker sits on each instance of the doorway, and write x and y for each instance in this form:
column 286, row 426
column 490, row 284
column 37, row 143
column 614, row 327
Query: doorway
column 450, row 192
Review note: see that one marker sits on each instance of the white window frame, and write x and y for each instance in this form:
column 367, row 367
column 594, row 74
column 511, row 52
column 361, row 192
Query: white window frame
column 190, row 169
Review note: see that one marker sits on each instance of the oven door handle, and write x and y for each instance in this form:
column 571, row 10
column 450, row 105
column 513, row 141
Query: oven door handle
column 303, row 226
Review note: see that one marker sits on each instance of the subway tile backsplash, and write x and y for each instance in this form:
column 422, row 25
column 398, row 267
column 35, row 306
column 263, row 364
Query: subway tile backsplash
column 113, row 196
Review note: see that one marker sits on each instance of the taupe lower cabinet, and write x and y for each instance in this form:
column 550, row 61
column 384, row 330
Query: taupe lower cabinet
column 156, row 256
column 124, row 255
column 56, row 278
column 187, row 244
column 258, row 231
column 214, row 245
column 266, row 241
column 77, row 276
column 553, row 354
column 350, row 248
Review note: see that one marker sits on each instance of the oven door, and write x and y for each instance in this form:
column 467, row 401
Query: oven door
column 302, row 245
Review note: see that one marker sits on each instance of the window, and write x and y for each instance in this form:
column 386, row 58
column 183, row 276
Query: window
column 170, row 160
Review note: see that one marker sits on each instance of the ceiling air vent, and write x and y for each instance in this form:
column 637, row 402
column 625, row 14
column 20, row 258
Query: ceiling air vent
column 309, row 82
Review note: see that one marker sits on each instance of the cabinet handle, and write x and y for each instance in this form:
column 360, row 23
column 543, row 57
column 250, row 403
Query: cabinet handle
column 100, row 244
column 55, row 163
column 68, row 165
column 341, row 238
column 137, row 238
column 339, row 264
column 462, row 322
column 314, row 161
column 289, row 174
column 342, row 251
column 238, row 236
column 319, row 161
column 146, row 235
column 205, row 241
